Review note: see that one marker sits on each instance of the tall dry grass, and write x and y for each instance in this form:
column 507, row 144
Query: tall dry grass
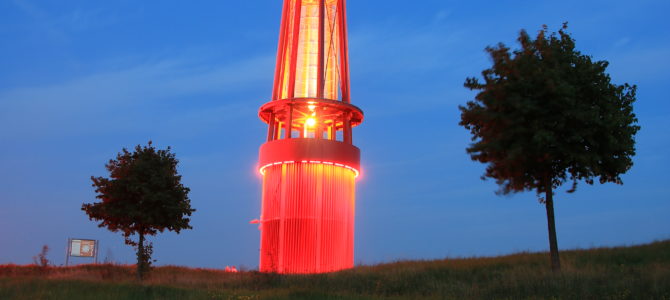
column 639, row 272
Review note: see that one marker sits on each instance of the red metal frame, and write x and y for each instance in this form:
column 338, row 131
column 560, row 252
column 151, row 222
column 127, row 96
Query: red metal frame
column 308, row 202
column 281, row 49
column 321, row 71
column 344, row 58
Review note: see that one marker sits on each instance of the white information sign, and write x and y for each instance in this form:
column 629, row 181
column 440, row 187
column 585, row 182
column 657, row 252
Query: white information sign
column 82, row 248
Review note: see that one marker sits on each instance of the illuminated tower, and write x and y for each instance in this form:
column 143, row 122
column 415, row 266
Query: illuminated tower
column 308, row 163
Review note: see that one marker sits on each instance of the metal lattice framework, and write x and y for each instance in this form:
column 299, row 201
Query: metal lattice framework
column 308, row 163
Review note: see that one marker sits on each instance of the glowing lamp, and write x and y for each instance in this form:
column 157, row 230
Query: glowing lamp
column 309, row 163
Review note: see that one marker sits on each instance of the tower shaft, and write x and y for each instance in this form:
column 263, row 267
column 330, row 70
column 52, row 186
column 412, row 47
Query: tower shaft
column 309, row 163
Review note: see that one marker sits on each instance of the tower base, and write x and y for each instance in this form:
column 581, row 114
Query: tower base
column 307, row 221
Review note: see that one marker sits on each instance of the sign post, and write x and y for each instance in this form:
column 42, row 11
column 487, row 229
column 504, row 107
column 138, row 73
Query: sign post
column 82, row 248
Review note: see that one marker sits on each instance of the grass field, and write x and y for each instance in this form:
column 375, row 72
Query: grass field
column 638, row 272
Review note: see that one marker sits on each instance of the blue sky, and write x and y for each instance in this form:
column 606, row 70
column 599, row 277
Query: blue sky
column 79, row 80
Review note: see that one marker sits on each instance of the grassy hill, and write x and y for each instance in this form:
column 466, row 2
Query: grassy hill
column 638, row 272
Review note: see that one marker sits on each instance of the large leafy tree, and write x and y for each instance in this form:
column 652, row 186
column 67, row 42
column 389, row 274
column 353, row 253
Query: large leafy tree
column 142, row 196
column 545, row 115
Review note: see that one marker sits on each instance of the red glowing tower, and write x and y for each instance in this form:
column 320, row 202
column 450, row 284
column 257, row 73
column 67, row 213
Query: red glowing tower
column 308, row 163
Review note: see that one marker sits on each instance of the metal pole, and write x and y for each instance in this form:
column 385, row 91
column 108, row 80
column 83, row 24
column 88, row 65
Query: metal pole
column 281, row 54
column 67, row 251
column 278, row 128
column 271, row 127
column 347, row 129
column 318, row 129
column 320, row 69
column 289, row 127
column 344, row 52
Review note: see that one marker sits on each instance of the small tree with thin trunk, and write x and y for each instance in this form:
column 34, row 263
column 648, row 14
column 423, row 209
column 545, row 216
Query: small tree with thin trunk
column 142, row 196
column 41, row 259
column 546, row 114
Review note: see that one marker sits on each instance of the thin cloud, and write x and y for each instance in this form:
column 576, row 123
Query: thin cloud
column 73, row 106
column 394, row 48
column 638, row 64
column 42, row 20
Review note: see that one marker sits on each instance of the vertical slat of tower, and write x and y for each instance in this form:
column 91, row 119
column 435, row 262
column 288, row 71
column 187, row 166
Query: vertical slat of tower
column 318, row 215
column 282, row 217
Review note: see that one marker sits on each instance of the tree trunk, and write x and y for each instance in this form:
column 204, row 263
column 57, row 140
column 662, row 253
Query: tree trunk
column 553, row 243
column 140, row 258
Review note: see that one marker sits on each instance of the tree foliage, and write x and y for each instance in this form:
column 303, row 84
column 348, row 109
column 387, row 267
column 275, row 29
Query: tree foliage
column 142, row 196
column 546, row 114
column 41, row 259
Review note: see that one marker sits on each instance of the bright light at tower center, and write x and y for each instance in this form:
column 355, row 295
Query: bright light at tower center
column 310, row 122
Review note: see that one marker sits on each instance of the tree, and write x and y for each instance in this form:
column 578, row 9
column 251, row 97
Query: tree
column 143, row 196
column 546, row 114
column 41, row 259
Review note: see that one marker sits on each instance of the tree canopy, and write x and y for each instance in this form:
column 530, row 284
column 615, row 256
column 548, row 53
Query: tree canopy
column 546, row 114
column 142, row 196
